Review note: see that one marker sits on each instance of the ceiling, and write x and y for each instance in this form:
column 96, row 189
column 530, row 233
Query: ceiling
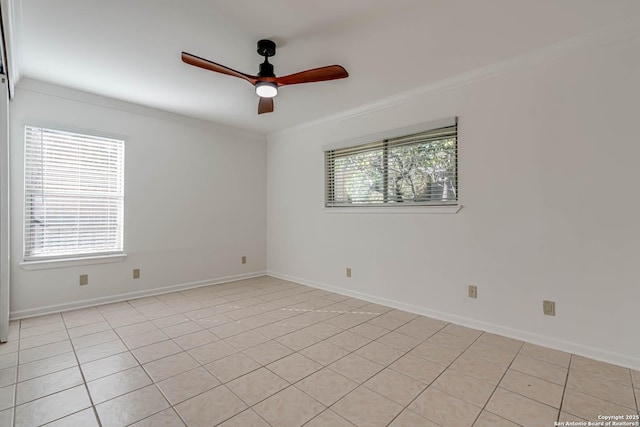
column 130, row 50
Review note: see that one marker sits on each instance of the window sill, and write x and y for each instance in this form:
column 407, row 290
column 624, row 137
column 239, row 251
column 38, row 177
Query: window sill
column 393, row 210
column 71, row 262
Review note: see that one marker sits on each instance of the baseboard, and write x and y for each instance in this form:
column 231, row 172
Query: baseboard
column 519, row 334
column 57, row 308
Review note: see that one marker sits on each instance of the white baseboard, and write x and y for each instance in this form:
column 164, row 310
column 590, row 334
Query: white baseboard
column 519, row 334
column 57, row 308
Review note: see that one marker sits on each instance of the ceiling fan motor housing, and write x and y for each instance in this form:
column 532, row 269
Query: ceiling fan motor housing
column 266, row 48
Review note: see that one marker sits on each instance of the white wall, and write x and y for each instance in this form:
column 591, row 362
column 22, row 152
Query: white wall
column 194, row 200
column 549, row 173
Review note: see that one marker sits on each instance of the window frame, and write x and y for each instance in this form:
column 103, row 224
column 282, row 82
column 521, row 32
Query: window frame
column 72, row 259
column 382, row 139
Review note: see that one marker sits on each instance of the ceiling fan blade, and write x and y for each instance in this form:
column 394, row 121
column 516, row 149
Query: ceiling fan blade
column 265, row 105
column 331, row 72
column 196, row 61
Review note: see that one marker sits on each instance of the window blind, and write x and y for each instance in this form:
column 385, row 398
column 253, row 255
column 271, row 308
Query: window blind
column 74, row 194
column 415, row 169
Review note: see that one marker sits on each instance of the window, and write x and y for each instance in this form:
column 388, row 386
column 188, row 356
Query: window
column 74, row 195
column 417, row 169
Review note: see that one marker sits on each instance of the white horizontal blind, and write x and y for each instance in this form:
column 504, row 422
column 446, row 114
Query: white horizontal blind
column 74, row 194
column 417, row 169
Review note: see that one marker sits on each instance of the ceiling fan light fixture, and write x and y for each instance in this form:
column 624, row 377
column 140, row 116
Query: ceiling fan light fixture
column 266, row 89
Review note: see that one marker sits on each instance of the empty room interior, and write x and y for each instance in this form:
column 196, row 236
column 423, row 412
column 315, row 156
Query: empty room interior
column 324, row 214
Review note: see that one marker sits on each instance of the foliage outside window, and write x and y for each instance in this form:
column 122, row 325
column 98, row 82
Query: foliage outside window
column 74, row 195
column 417, row 169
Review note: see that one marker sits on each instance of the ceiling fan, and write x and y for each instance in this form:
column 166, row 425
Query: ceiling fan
column 266, row 82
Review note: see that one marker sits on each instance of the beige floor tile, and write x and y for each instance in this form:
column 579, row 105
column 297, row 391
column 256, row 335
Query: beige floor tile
column 247, row 418
column 93, row 328
column 395, row 386
column 500, row 342
column 564, row 416
column 156, row 351
column 131, row 407
column 169, row 366
column 521, row 410
column 322, row 330
column 602, row 388
column 435, row 353
column 9, row 347
column 417, row 368
column 48, row 384
column 324, row 352
column 199, row 314
column 387, row 321
column 52, row 407
column 326, row 386
column 211, row 352
column 187, row 385
column 268, row 352
column 288, row 408
column 421, row 327
column 257, row 386
column 145, row 339
column 166, row 418
column 488, row 353
column 298, row 340
column 365, row 408
column 232, row 367
column 7, row 395
column 213, row 321
column 348, row 340
column 487, row 419
column 635, row 376
column 229, row 329
column 42, row 330
column 165, row 322
column 196, row 339
column 94, row 339
column 464, row 387
column 39, row 340
column 6, row 417
column 411, row 419
column 117, row 384
column 294, row 367
column 108, row 365
column 328, row 418
column 537, row 368
column 479, row 369
column 548, row 355
column 244, row 340
column 84, row 418
column 44, row 351
column 356, row 368
column 275, row 330
column 593, row 367
column 182, row 329
column 452, row 342
column 399, row 341
column 116, row 320
column 589, row 407
column 8, row 360
column 444, row 409
column 210, row 408
column 40, row 320
column 533, row 388
column 461, row 331
column 380, row 353
column 8, row 376
column 100, row 351
column 136, row 329
column 46, row 366
column 369, row 330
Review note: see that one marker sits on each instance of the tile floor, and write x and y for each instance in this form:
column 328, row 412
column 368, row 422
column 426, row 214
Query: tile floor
column 265, row 352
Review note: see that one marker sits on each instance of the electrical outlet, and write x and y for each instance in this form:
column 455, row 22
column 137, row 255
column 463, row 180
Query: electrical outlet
column 244, row 259
column 549, row 308
column 84, row 279
column 348, row 272
column 136, row 273
column 473, row 291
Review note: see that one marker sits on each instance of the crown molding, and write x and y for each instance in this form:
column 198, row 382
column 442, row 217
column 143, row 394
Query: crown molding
column 64, row 92
column 627, row 29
